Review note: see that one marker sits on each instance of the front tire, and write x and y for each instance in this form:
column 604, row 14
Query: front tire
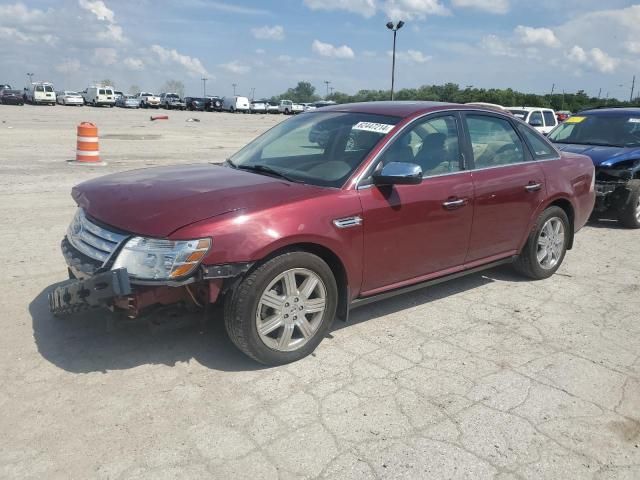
column 546, row 246
column 629, row 214
column 281, row 311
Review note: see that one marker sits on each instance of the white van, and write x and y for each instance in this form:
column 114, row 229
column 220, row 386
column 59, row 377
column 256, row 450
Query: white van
column 99, row 95
column 235, row 104
column 41, row 93
column 542, row 119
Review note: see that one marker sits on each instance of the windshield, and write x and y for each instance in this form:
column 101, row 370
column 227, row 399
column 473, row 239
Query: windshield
column 521, row 114
column 621, row 130
column 317, row 148
column 172, row 95
column 71, row 93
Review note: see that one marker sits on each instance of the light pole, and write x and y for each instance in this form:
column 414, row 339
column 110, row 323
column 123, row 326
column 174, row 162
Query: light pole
column 204, row 86
column 394, row 28
column 253, row 93
column 30, row 75
column 327, row 82
column 234, row 85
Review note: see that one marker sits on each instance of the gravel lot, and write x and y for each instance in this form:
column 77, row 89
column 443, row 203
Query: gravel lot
column 485, row 377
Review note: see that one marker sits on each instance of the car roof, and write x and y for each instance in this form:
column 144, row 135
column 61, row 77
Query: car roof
column 401, row 108
column 611, row 111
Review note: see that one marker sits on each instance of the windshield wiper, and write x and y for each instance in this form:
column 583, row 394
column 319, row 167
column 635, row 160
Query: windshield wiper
column 265, row 169
column 229, row 162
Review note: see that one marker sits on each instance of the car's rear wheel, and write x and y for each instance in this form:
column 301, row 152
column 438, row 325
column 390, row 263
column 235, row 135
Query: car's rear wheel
column 629, row 214
column 546, row 246
column 282, row 310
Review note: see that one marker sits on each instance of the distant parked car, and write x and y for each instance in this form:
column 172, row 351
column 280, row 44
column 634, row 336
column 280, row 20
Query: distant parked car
column 611, row 137
column 195, row 103
column 68, row 97
column 289, row 108
column 11, row 97
column 128, row 101
column 40, row 93
column 117, row 94
column 324, row 103
column 172, row 101
column 99, row 96
column 258, row 106
column 214, row 103
column 542, row 119
column 563, row 115
column 236, row 104
column 272, row 107
column 308, row 107
column 148, row 100
column 4, row 86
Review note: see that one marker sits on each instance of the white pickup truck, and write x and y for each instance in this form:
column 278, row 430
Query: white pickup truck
column 289, row 108
column 148, row 100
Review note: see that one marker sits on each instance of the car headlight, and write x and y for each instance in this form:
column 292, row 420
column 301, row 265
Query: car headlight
column 152, row 259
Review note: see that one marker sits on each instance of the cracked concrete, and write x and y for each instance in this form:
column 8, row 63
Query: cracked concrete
column 487, row 377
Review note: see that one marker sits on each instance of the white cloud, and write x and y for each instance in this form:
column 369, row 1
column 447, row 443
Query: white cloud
column 328, row 50
column 260, row 51
column 20, row 13
column 132, row 63
column 496, row 46
column 491, row 6
column 414, row 56
column 413, row 9
column 269, row 33
column 285, row 58
column 227, row 7
column 99, row 9
column 536, row 36
column 366, row 8
column 193, row 65
column 112, row 33
column 105, row 56
column 594, row 58
column 236, row 67
column 69, row 66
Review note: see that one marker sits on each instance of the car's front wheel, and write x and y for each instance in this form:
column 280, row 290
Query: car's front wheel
column 281, row 311
column 629, row 214
column 546, row 246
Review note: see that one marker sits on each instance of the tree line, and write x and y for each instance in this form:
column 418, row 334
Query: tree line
column 452, row 92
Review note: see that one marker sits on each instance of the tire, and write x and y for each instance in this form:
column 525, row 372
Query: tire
column 243, row 306
column 527, row 262
column 629, row 213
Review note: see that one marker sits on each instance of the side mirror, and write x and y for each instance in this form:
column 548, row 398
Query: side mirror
column 535, row 123
column 398, row 173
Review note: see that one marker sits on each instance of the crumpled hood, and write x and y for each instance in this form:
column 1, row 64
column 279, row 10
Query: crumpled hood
column 602, row 156
column 158, row 201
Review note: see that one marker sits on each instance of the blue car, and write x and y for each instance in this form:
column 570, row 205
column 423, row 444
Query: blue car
column 611, row 137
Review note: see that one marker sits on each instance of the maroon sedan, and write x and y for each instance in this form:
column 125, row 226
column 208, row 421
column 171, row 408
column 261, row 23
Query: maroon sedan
column 326, row 211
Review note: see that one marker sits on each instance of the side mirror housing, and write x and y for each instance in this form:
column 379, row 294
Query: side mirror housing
column 398, row 173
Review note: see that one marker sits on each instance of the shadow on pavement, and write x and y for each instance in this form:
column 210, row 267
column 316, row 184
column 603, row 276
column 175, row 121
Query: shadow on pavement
column 82, row 344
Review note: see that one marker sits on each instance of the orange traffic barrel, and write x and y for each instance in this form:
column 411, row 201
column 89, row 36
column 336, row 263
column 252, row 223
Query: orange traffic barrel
column 88, row 149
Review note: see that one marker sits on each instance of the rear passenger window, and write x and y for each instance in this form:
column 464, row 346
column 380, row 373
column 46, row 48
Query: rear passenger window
column 101, row 91
column 538, row 146
column 494, row 142
column 549, row 119
column 536, row 119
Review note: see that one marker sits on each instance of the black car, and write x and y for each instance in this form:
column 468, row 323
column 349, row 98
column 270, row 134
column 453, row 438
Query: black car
column 214, row 104
column 195, row 103
column 11, row 97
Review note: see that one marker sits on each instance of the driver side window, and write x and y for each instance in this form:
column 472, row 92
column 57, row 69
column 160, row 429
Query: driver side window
column 432, row 144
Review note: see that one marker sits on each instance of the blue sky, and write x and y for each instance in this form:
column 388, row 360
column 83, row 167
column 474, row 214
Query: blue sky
column 271, row 45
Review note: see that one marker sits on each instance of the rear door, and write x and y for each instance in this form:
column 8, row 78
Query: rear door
column 412, row 231
column 508, row 187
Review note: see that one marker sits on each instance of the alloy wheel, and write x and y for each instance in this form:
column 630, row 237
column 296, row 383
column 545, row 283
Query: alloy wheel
column 550, row 243
column 290, row 309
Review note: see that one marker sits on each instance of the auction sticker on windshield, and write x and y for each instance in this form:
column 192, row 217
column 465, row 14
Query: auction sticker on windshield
column 634, row 120
column 373, row 127
column 575, row 119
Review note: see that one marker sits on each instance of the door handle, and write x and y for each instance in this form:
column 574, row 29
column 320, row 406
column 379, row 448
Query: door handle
column 452, row 204
column 533, row 187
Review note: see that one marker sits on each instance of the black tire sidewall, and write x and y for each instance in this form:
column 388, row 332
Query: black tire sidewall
column 531, row 248
column 627, row 215
column 242, row 311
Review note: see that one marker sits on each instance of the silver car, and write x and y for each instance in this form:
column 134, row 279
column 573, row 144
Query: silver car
column 258, row 107
column 128, row 101
column 68, row 97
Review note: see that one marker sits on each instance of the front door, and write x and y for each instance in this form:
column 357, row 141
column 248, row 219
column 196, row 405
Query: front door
column 411, row 231
column 508, row 188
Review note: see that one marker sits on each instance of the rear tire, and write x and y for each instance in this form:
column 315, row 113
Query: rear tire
column 281, row 282
column 546, row 246
column 629, row 213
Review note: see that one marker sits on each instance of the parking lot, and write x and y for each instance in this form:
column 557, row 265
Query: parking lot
column 488, row 376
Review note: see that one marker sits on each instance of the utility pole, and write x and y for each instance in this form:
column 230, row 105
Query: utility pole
column 633, row 86
column 204, row 86
column 331, row 89
column 253, row 93
column 327, row 82
column 394, row 28
column 599, row 93
column 234, row 85
column 30, row 75
column 562, row 108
